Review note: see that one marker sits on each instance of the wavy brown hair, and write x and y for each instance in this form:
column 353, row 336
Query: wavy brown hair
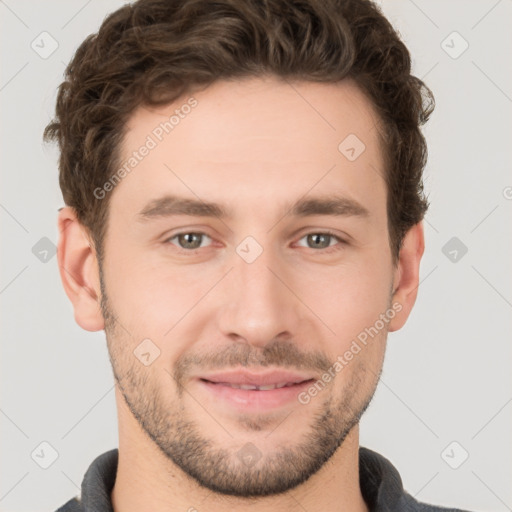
column 151, row 52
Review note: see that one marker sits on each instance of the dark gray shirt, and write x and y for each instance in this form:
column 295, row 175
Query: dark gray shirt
column 380, row 482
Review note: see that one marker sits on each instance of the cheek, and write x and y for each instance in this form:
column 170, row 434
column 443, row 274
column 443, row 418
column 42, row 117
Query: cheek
column 349, row 298
column 151, row 298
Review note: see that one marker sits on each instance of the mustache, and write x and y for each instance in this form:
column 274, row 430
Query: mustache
column 280, row 353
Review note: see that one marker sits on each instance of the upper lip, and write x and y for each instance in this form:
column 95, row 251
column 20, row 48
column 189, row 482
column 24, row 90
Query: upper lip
column 257, row 379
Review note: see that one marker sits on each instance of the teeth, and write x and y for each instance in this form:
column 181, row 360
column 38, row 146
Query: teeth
column 260, row 388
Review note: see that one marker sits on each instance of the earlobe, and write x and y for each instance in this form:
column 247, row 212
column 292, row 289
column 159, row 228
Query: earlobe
column 79, row 271
column 407, row 276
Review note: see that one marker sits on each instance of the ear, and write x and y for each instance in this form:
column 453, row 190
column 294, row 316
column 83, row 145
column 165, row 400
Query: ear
column 407, row 275
column 79, row 271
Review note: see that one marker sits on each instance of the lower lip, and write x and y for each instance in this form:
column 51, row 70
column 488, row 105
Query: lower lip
column 253, row 399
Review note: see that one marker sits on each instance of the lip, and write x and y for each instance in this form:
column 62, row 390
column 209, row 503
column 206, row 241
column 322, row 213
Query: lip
column 244, row 377
column 247, row 400
column 217, row 388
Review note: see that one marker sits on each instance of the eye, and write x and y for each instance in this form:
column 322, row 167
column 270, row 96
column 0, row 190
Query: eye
column 188, row 240
column 322, row 241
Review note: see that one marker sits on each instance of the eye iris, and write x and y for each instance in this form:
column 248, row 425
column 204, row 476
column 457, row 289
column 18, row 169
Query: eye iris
column 187, row 237
column 316, row 237
column 193, row 240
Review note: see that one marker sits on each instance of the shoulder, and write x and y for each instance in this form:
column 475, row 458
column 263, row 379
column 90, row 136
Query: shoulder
column 73, row 505
column 97, row 485
column 382, row 488
column 410, row 504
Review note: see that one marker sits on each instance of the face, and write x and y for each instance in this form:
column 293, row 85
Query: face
column 283, row 264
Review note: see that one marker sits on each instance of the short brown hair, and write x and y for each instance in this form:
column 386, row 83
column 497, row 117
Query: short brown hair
column 151, row 52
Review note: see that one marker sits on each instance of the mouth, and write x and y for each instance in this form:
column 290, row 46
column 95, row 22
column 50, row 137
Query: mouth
column 241, row 378
column 253, row 392
column 252, row 387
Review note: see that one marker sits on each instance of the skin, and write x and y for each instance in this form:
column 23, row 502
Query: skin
column 296, row 306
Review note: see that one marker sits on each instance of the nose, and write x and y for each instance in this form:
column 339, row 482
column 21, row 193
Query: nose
column 259, row 303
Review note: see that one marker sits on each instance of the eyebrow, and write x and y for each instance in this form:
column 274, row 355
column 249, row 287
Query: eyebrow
column 170, row 205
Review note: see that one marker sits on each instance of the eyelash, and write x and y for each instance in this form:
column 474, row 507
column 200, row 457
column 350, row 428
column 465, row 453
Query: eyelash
column 327, row 250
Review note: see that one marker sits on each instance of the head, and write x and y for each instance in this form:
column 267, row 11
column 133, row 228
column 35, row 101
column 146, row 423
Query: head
column 292, row 133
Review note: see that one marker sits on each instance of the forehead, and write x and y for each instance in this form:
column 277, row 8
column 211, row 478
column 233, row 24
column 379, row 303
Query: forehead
column 253, row 137
column 263, row 109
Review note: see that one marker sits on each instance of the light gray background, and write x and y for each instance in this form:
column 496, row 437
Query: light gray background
column 446, row 375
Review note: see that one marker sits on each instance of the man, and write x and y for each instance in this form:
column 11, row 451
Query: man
column 243, row 218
